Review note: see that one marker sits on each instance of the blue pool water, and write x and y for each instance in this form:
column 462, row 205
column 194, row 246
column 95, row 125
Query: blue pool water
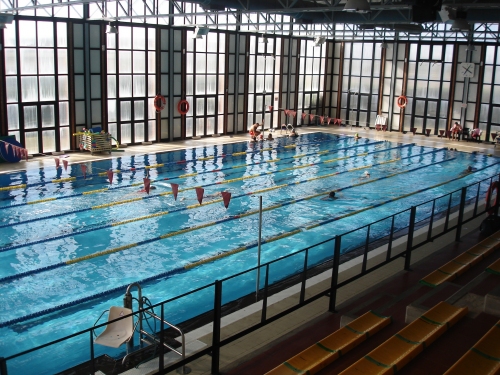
column 70, row 246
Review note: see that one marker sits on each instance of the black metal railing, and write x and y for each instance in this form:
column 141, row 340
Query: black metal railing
column 463, row 204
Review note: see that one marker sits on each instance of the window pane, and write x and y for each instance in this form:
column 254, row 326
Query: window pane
column 47, row 116
column 139, row 132
column 30, row 117
column 139, row 62
column 28, row 61
column 11, row 88
column 139, row 85
column 138, row 110
column 31, row 142
column 48, row 140
column 46, row 61
column 63, row 113
column 45, row 34
column 125, row 61
column 64, row 135
column 13, row 116
column 62, row 61
column 125, row 111
column 125, row 86
column 29, row 89
column 47, row 88
column 28, row 37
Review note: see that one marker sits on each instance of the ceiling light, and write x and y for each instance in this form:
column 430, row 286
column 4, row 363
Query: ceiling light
column 3, row 26
column 110, row 29
column 460, row 24
column 384, row 45
column 200, row 31
column 470, row 47
column 357, row 6
column 319, row 41
column 262, row 39
column 6, row 18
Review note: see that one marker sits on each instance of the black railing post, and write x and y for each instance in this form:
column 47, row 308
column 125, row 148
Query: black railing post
column 335, row 274
column 495, row 210
column 391, row 235
column 3, row 366
column 461, row 214
column 264, row 297
column 161, row 364
column 303, row 277
column 365, row 254
column 92, row 355
column 216, row 327
column 447, row 219
column 431, row 221
column 477, row 198
column 409, row 244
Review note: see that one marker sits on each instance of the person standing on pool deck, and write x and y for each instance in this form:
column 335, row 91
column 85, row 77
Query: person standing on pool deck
column 254, row 133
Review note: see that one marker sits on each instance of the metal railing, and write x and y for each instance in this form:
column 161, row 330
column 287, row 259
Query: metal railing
column 437, row 217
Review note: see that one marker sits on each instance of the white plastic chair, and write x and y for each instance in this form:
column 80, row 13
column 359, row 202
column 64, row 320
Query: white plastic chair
column 118, row 332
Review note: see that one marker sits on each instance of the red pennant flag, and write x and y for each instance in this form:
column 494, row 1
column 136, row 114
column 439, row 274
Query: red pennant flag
column 147, row 184
column 286, row 112
column 57, row 162
column 311, row 118
column 328, row 119
column 304, row 115
column 199, row 194
column 294, row 114
column 110, row 176
column 84, row 171
column 270, row 108
column 226, row 196
column 65, row 163
column 321, row 118
column 175, row 190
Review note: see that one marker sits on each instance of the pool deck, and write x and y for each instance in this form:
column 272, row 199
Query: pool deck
column 263, row 349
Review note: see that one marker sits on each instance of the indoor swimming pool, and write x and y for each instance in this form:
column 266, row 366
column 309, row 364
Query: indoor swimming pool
column 71, row 244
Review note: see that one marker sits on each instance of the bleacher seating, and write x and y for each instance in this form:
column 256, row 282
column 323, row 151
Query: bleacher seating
column 494, row 267
column 324, row 352
column 463, row 262
column 400, row 349
column 483, row 358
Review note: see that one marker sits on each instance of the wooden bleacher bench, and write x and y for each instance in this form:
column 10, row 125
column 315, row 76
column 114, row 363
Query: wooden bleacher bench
column 324, row 352
column 483, row 358
column 396, row 352
column 463, row 262
column 494, row 267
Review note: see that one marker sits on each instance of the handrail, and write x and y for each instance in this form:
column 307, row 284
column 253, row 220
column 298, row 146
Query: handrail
column 475, row 212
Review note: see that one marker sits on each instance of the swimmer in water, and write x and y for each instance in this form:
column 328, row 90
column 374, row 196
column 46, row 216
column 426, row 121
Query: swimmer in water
column 331, row 196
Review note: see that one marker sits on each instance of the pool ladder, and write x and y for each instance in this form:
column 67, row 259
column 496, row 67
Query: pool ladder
column 146, row 337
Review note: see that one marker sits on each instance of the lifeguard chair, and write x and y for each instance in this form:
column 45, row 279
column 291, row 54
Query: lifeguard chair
column 381, row 123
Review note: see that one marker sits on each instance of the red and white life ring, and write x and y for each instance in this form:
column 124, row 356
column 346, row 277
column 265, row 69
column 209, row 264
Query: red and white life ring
column 493, row 186
column 160, row 102
column 183, row 107
column 402, row 101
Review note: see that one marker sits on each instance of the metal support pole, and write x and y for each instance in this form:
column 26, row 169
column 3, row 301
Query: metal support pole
column 257, row 282
column 216, row 327
column 161, row 348
column 461, row 214
column 335, row 274
column 409, row 244
column 92, row 355
column 3, row 366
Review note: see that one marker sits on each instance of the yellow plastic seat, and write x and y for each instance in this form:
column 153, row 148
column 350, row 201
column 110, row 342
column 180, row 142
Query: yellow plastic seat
column 396, row 352
column 482, row 358
column 324, row 352
column 494, row 267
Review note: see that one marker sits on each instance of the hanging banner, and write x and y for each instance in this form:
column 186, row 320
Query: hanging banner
column 270, row 108
column 226, row 196
column 286, row 112
column 311, row 118
column 199, row 193
column 294, row 113
column 321, row 118
column 175, row 190
column 304, row 115
column 84, row 171
column 65, row 163
column 147, row 184
column 110, row 176
column 57, row 162
column 328, row 119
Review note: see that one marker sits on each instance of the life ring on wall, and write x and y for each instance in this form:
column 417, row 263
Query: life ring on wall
column 160, row 102
column 493, row 186
column 402, row 101
column 183, row 107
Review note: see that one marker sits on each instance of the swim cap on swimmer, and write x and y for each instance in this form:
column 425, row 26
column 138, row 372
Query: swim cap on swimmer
column 332, row 194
